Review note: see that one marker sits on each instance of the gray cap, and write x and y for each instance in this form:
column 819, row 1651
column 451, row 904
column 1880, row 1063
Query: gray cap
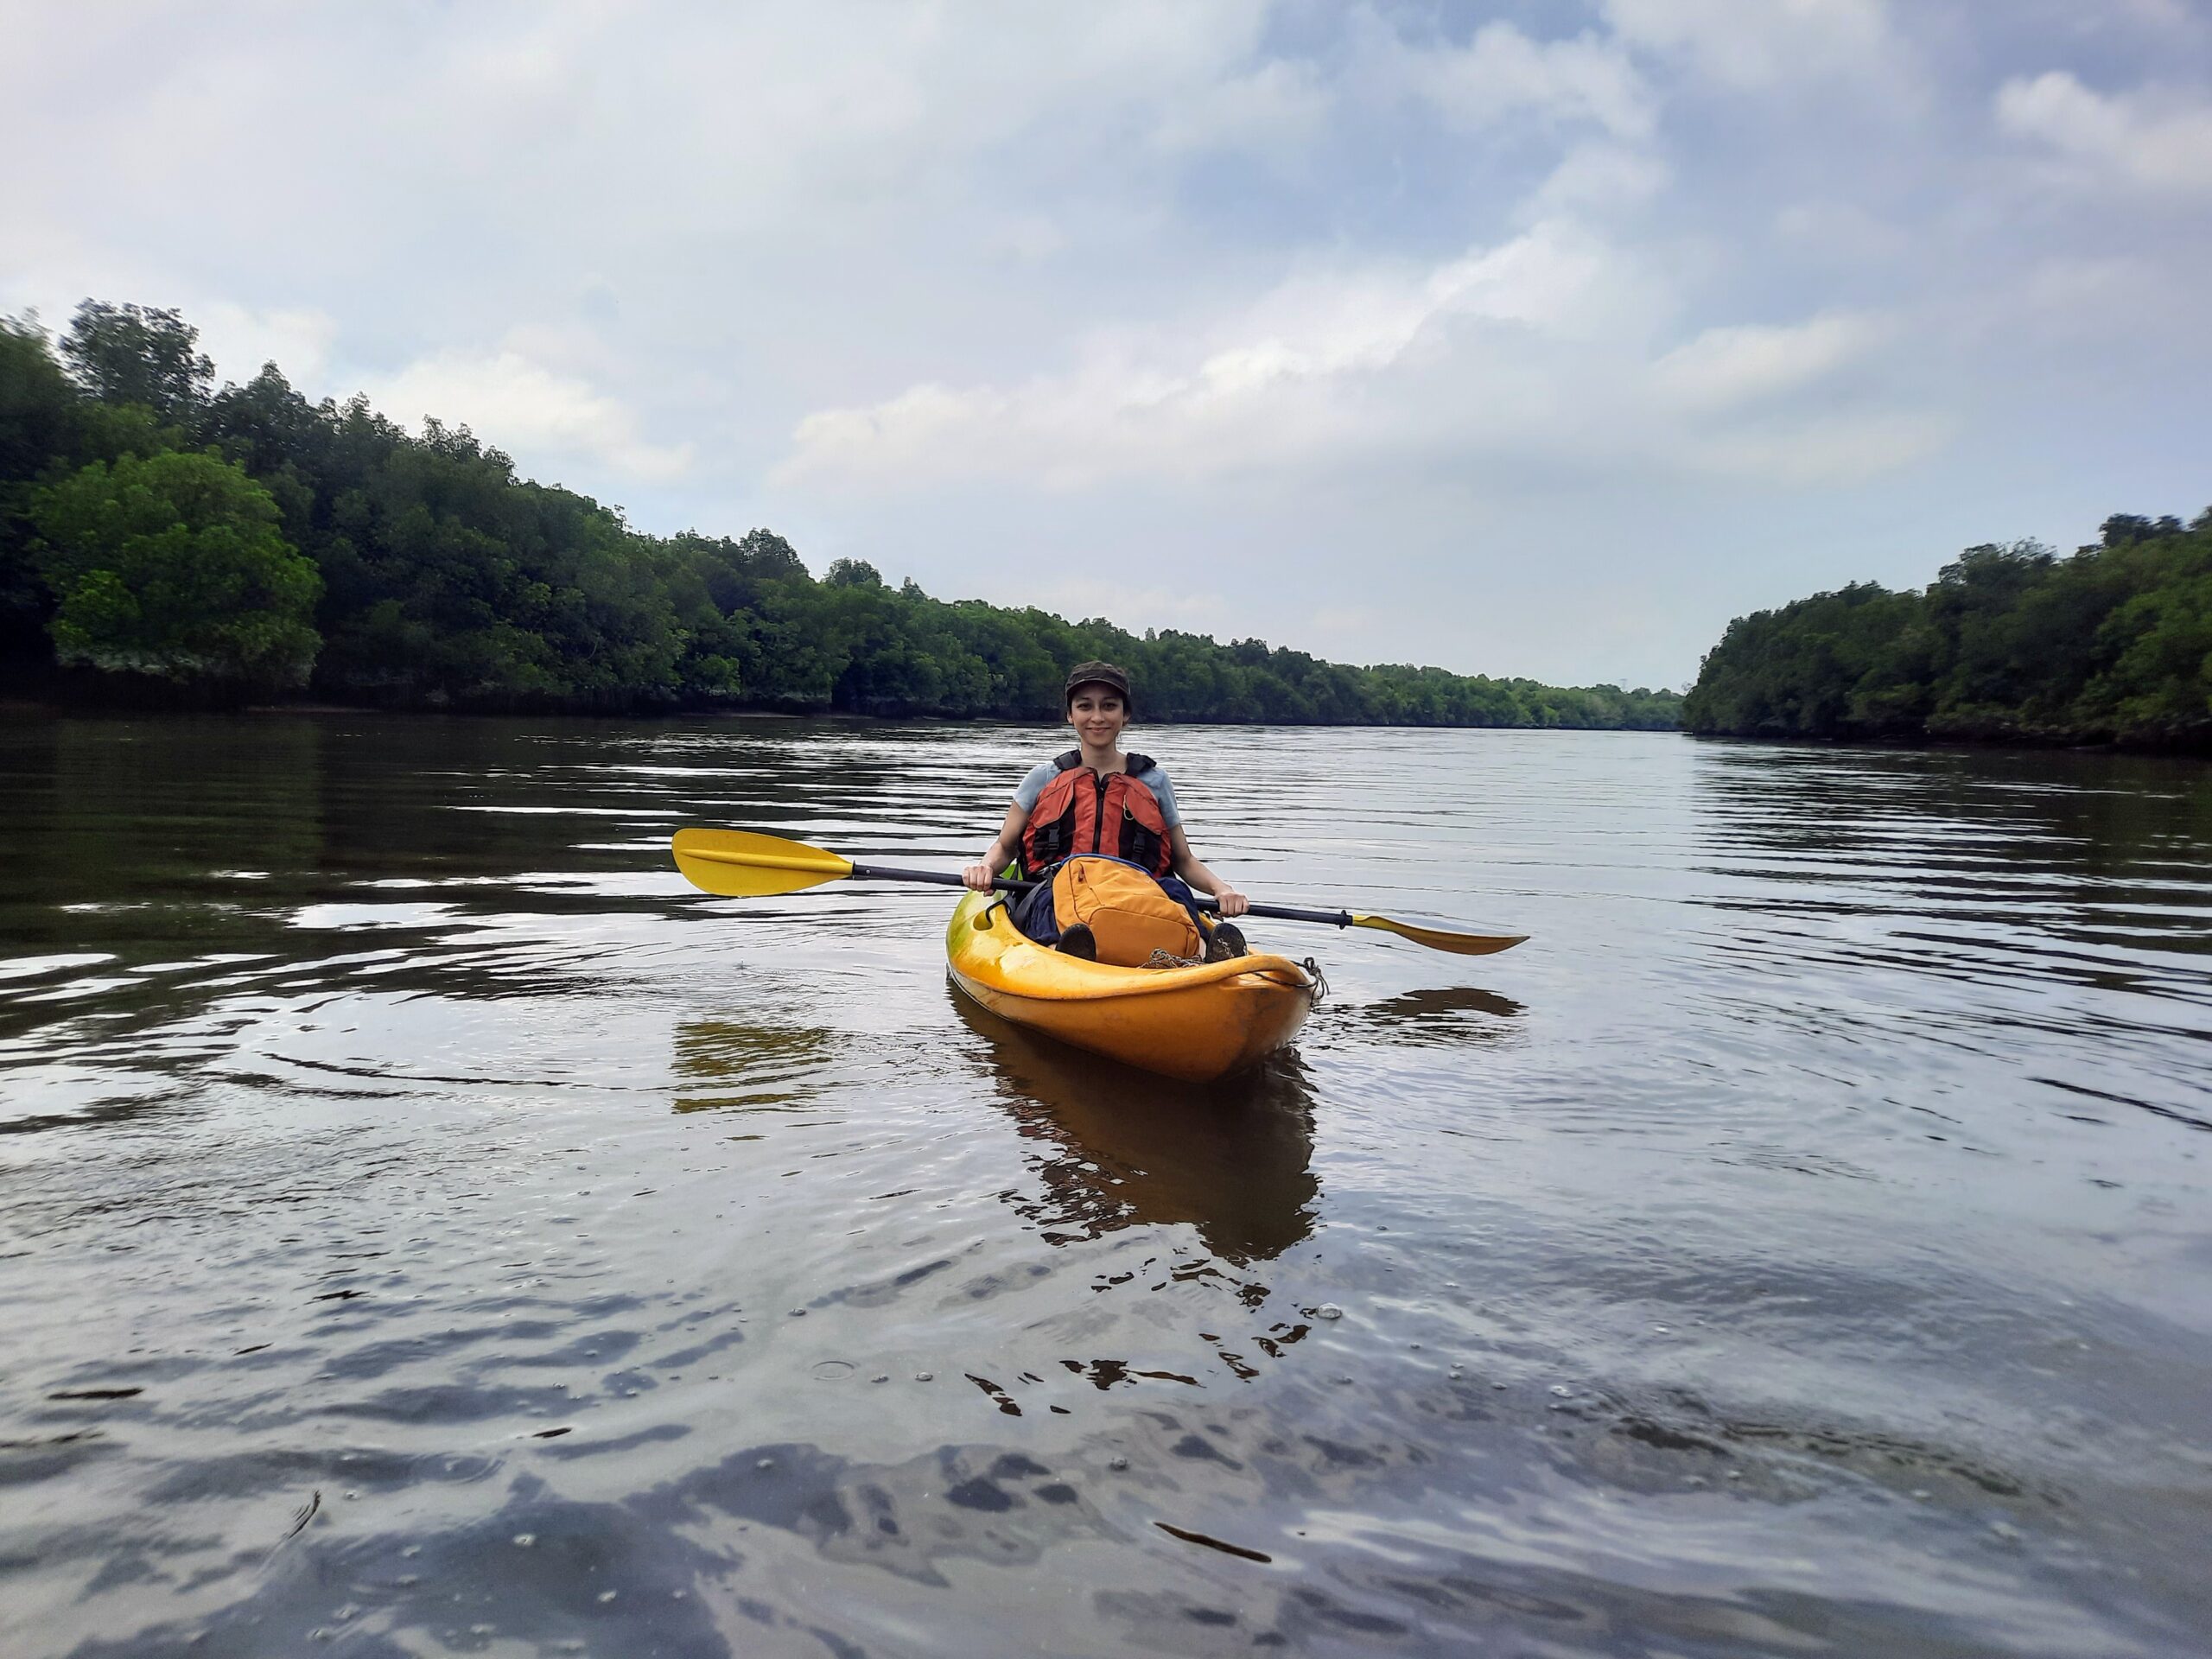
column 1084, row 674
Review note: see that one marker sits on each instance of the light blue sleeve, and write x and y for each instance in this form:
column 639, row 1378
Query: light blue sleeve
column 1164, row 792
column 1027, row 791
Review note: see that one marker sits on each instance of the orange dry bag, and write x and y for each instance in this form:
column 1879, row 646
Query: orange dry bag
column 1125, row 909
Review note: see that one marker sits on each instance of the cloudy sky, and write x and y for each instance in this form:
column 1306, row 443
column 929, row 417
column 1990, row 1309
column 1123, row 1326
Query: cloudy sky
column 1530, row 338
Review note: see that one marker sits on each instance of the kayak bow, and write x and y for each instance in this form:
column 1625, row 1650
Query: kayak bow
column 1197, row 1023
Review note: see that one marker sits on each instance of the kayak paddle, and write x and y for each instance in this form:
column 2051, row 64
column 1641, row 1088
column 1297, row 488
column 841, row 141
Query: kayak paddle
column 743, row 864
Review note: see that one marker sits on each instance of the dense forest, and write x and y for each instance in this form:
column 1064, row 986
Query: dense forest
column 2013, row 645
column 161, row 539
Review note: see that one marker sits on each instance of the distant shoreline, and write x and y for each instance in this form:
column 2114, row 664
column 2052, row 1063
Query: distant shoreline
column 2108, row 648
column 120, row 710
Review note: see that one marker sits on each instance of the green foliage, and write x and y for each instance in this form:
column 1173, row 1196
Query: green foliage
column 38, row 411
column 2009, row 644
column 137, row 354
column 852, row 573
column 447, row 581
column 173, row 566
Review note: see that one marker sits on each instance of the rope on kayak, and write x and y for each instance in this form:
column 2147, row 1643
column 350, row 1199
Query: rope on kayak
column 1320, row 980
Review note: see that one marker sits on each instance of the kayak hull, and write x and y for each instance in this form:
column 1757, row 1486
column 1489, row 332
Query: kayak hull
column 1197, row 1023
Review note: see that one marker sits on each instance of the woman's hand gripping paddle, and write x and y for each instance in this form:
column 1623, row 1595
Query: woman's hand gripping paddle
column 741, row 864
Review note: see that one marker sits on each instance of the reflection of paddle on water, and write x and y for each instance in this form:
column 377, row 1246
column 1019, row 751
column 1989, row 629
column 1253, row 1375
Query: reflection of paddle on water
column 1449, row 1014
column 1121, row 1148
column 729, row 1065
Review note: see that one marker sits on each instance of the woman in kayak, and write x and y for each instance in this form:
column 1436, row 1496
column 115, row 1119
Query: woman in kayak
column 1097, row 800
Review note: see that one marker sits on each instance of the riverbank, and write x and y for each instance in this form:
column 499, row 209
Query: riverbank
column 2009, row 644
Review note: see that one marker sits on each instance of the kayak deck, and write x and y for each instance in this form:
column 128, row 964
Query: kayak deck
column 1198, row 1023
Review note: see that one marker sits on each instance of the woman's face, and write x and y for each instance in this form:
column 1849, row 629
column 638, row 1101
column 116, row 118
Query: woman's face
column 1097, row 713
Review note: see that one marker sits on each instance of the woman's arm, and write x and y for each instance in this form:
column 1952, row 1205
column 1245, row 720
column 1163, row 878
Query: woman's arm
column 999, row 854
column 1186, row 865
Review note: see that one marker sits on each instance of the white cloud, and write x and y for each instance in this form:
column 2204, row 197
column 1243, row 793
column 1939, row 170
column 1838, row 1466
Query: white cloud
column 1839, row 231
column 1758, row 43
column 1723, row 368
column 2158, row 141
column 1031, row 239
column 1824, row 449
column 1501, row 75
column 528, row 409
column 240, row 340
column 1533, row 353
column 1598, row 178
column 1282, row 379
column 1275, row 111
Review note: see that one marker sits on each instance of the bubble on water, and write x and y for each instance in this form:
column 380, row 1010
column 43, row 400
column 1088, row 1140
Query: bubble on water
column 924, row 1377
column 798, row 1312
column 1117, row 1463
column 1661, row 1329
column 1328, row 1310
column 880, row 1376
column 607, row 1595
column 765, row 1463
column 1561, row 1390
column 525, row 1540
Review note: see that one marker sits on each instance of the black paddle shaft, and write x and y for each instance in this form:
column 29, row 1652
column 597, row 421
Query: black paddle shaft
column 1205, row 902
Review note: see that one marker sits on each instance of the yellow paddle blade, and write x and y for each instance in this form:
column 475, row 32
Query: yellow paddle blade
column 739, row 864
column 1440, row 934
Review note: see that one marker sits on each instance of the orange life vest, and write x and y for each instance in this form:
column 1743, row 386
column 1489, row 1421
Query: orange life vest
column 1081, row 812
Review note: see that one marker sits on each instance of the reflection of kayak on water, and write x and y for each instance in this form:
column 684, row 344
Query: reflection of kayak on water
column 1118, row 1148
column 1197, row 1023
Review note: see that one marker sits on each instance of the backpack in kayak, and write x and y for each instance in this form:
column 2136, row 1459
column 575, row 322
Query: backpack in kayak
column 1129, row 914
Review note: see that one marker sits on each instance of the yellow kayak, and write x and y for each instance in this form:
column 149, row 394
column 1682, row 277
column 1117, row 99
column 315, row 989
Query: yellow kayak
column 1198, row 1023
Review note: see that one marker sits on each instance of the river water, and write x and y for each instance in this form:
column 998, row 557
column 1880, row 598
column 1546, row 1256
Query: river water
column 427, row 1226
